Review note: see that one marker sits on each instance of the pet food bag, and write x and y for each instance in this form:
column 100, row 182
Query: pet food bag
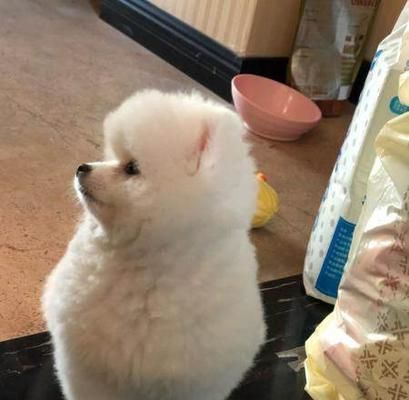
column 328, row 46
column 361, row 350
column 341, row 205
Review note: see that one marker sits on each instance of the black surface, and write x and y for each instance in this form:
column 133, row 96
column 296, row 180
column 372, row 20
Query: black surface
column 359, row 82
column 273, row 67
column 194, row 53
column 26, row 371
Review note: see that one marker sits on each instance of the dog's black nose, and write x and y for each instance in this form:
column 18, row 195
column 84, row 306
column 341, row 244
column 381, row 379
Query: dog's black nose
column 83, row 169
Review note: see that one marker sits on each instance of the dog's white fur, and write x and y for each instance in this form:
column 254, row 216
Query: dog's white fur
column 156, row 296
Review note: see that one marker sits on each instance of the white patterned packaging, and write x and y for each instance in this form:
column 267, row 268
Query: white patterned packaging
column 361, row 350
column 333, row 229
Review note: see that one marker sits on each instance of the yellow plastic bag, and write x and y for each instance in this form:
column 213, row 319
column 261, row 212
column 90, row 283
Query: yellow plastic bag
column 361, row 350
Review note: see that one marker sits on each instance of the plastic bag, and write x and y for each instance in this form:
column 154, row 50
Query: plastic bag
column 341, row 205
column 361, row 350
column 328, row 46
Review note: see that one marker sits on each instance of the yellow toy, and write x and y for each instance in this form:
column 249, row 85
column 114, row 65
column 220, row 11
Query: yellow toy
column 267, row 202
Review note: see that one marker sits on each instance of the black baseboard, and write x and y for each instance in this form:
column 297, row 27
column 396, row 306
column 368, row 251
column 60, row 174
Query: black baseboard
column 189, row 50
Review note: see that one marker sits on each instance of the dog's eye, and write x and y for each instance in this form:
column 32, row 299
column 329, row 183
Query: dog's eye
column 132, row 168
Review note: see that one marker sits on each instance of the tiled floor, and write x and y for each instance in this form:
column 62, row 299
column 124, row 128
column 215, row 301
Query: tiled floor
column 26, row 363
column 61, row 70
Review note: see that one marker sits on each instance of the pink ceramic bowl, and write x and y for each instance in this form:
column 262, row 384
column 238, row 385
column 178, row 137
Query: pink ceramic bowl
column 273, row 110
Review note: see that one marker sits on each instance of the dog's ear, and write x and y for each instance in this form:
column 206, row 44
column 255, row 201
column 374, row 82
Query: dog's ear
column 202, row 145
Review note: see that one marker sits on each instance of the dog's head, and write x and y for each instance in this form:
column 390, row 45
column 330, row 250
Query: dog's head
column 172, row 161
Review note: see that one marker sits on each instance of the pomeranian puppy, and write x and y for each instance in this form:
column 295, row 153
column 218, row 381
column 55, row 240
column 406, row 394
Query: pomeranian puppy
column 156, row 297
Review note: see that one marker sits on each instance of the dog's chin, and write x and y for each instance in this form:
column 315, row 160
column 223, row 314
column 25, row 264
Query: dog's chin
column 86, row 196
column 90, row 198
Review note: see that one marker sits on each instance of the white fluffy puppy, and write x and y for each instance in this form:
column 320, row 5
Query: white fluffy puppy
column 156, row 296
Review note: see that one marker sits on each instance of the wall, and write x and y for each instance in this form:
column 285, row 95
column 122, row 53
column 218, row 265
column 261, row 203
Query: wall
column 263, row 28
column 273, row 29
column 385, row 18
column 227, row 21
